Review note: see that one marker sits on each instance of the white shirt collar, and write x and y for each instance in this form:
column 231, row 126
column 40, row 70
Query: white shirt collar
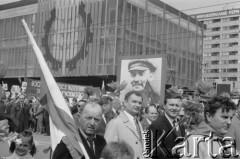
column 149, row 122
column 114, row 110
column 169, row 119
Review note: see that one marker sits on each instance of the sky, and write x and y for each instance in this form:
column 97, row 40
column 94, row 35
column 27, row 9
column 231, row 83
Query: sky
column 203, row 5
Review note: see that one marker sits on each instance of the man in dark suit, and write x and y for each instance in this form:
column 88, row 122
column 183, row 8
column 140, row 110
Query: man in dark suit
column 108, row 114
column 151, row 114
column 166, row 128
column 90, row 117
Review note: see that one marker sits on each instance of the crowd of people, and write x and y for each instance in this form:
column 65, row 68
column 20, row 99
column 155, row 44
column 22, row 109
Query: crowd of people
column 111, row 129
column 25, row 113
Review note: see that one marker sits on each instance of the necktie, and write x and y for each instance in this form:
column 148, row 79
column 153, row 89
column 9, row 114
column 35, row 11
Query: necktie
column 176, row 126
column 138, row 128
column 91, row 140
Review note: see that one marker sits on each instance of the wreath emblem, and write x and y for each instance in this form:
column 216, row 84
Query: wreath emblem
column 71, row 63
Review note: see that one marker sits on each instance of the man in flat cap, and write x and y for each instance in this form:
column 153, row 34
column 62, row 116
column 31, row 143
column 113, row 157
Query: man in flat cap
column 141, row 74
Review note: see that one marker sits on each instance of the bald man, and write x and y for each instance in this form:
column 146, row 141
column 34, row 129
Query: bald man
column 90, row 117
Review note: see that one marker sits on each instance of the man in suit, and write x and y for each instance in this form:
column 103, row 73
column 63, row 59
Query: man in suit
column 126, row 127
column 166, row 127
column 151, row 114
column 90, row 117
column 108, row 114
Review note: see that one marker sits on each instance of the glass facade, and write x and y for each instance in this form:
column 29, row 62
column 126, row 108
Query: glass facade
column 87, row 38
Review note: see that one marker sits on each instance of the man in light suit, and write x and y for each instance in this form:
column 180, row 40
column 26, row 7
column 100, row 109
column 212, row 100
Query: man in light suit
column 126, row 127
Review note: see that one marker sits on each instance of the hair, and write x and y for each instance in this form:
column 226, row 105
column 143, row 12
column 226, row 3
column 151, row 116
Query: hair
column 144, row 62
column 171, row 95
column 147, row 108
column 104, row 100
column 127, row 96
column 117, row 150
column 25, row 133
column 93, row 104
column 218, row 102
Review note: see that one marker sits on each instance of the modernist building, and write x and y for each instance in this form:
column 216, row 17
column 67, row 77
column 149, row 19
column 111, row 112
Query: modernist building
column 86, row 39
column 221, row 52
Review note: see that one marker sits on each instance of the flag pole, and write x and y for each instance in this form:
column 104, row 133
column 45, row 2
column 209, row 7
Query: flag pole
column 50, row 81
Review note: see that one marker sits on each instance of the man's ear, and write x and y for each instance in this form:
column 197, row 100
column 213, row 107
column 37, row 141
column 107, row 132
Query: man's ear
column 208, row 117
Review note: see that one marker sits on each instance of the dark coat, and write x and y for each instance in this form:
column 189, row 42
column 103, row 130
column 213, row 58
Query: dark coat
column 62, row 152
column 168, row 140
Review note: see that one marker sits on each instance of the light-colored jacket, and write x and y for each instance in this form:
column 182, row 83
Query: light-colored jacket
column 234, row 131
column 120, row 129
column 201, row 143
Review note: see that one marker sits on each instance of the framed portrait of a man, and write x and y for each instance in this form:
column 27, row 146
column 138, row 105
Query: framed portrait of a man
column 146, row 75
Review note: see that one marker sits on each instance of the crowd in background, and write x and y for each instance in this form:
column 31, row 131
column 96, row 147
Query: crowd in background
column 27, row 116
column 25, row 113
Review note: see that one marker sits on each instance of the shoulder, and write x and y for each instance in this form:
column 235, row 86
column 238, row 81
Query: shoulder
column 100, row 138
column 61, row 152
column 159, row 122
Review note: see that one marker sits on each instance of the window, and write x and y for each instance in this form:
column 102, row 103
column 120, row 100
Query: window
column 215, row 53
column 215, row 45
column 216, row 37
column 233, row 36
column 233, row 62
column 214, row 70
column 232, row 78
column 233, row 44
column 216, row 29
column 233, row 27
column 234, row 18
column 232, row 70
column 216, row 20
column 233, row 52
column 214, row 62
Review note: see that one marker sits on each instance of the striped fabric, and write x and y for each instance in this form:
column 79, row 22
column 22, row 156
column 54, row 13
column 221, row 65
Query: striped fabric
column 63, row 125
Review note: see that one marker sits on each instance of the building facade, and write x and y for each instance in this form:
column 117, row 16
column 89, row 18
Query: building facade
column 87, row 38
column 221, row 52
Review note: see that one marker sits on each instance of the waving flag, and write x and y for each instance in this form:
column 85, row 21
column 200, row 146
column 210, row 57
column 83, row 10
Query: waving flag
column 63, row 126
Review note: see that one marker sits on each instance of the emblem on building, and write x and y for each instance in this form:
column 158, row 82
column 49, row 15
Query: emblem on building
column 86, row 38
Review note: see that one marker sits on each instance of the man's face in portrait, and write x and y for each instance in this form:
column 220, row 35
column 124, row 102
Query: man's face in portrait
column 139, row 77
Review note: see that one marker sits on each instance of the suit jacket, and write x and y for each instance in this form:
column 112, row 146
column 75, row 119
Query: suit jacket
column 121, row 129
column 163, row 126
column 62, row 152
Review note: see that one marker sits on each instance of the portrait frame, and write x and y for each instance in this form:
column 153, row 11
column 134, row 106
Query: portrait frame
column 159, row 76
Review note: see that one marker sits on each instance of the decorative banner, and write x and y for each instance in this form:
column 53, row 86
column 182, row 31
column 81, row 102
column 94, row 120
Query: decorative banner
column 69, row 90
